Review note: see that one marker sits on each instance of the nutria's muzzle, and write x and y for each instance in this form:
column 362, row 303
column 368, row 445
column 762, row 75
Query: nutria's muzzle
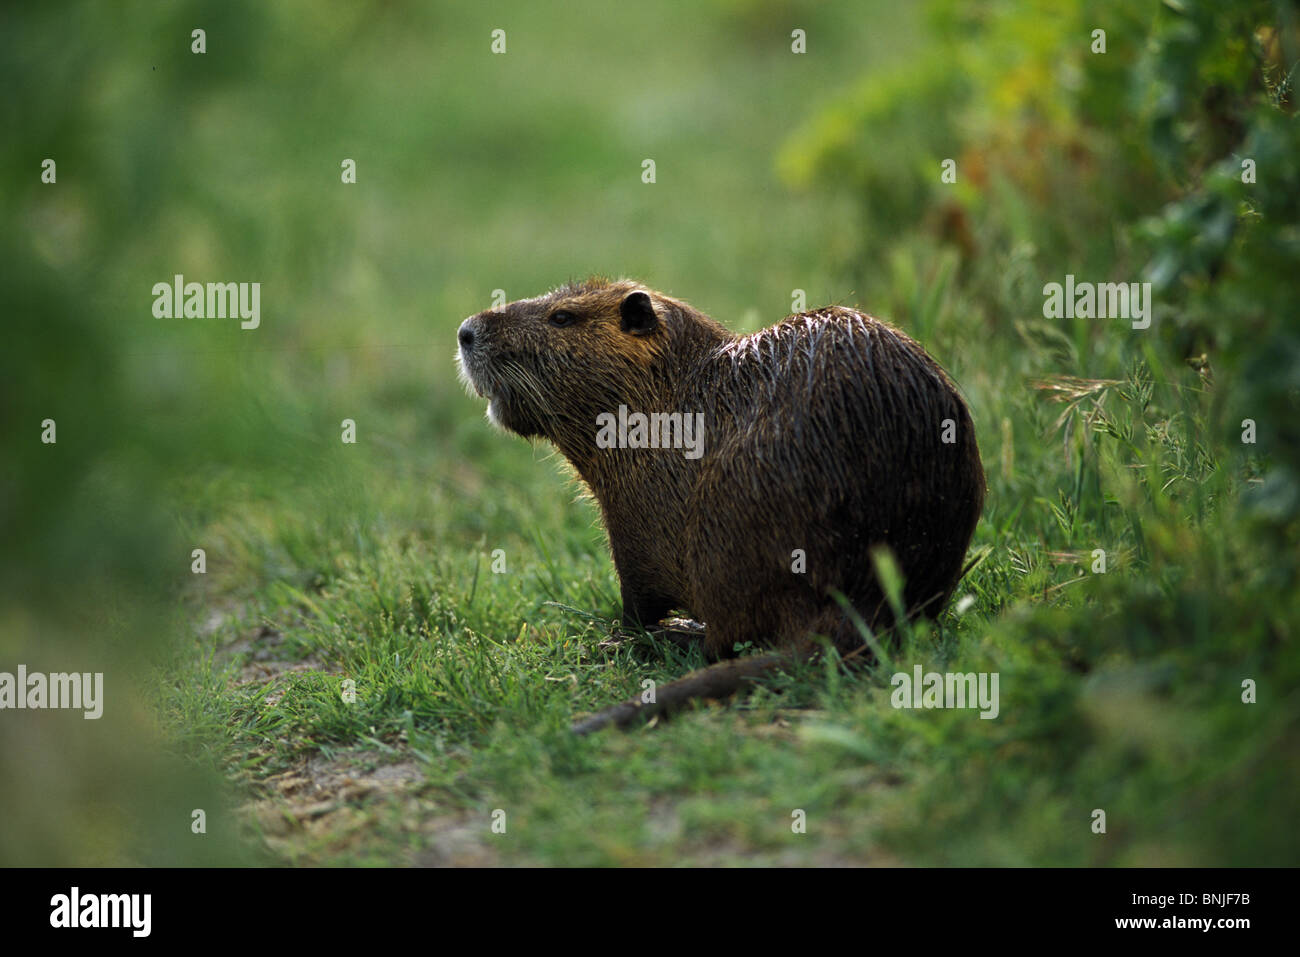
column 467, row 358
column 465, row 334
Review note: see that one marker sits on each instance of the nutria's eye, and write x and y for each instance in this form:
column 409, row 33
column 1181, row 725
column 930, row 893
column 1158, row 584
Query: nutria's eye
column 560, row 318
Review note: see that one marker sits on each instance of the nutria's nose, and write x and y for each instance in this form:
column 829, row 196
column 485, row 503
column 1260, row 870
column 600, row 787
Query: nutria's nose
column 466, row 335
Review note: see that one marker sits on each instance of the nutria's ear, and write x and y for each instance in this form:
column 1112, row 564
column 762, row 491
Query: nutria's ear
column 638, row 313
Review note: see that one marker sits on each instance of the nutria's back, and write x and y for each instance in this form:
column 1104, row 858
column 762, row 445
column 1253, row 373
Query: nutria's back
column 841, row 434
column 824, row 436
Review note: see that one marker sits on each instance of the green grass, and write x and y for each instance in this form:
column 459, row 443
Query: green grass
column 372, row 563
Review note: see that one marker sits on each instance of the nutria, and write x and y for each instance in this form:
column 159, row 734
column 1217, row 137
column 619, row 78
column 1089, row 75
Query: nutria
column 823, row 437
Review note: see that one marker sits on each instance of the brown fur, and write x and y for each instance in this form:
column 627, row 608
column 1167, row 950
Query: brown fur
column 821, row 433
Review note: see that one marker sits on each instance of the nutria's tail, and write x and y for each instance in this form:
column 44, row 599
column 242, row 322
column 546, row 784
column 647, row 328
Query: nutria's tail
column 716, row 681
